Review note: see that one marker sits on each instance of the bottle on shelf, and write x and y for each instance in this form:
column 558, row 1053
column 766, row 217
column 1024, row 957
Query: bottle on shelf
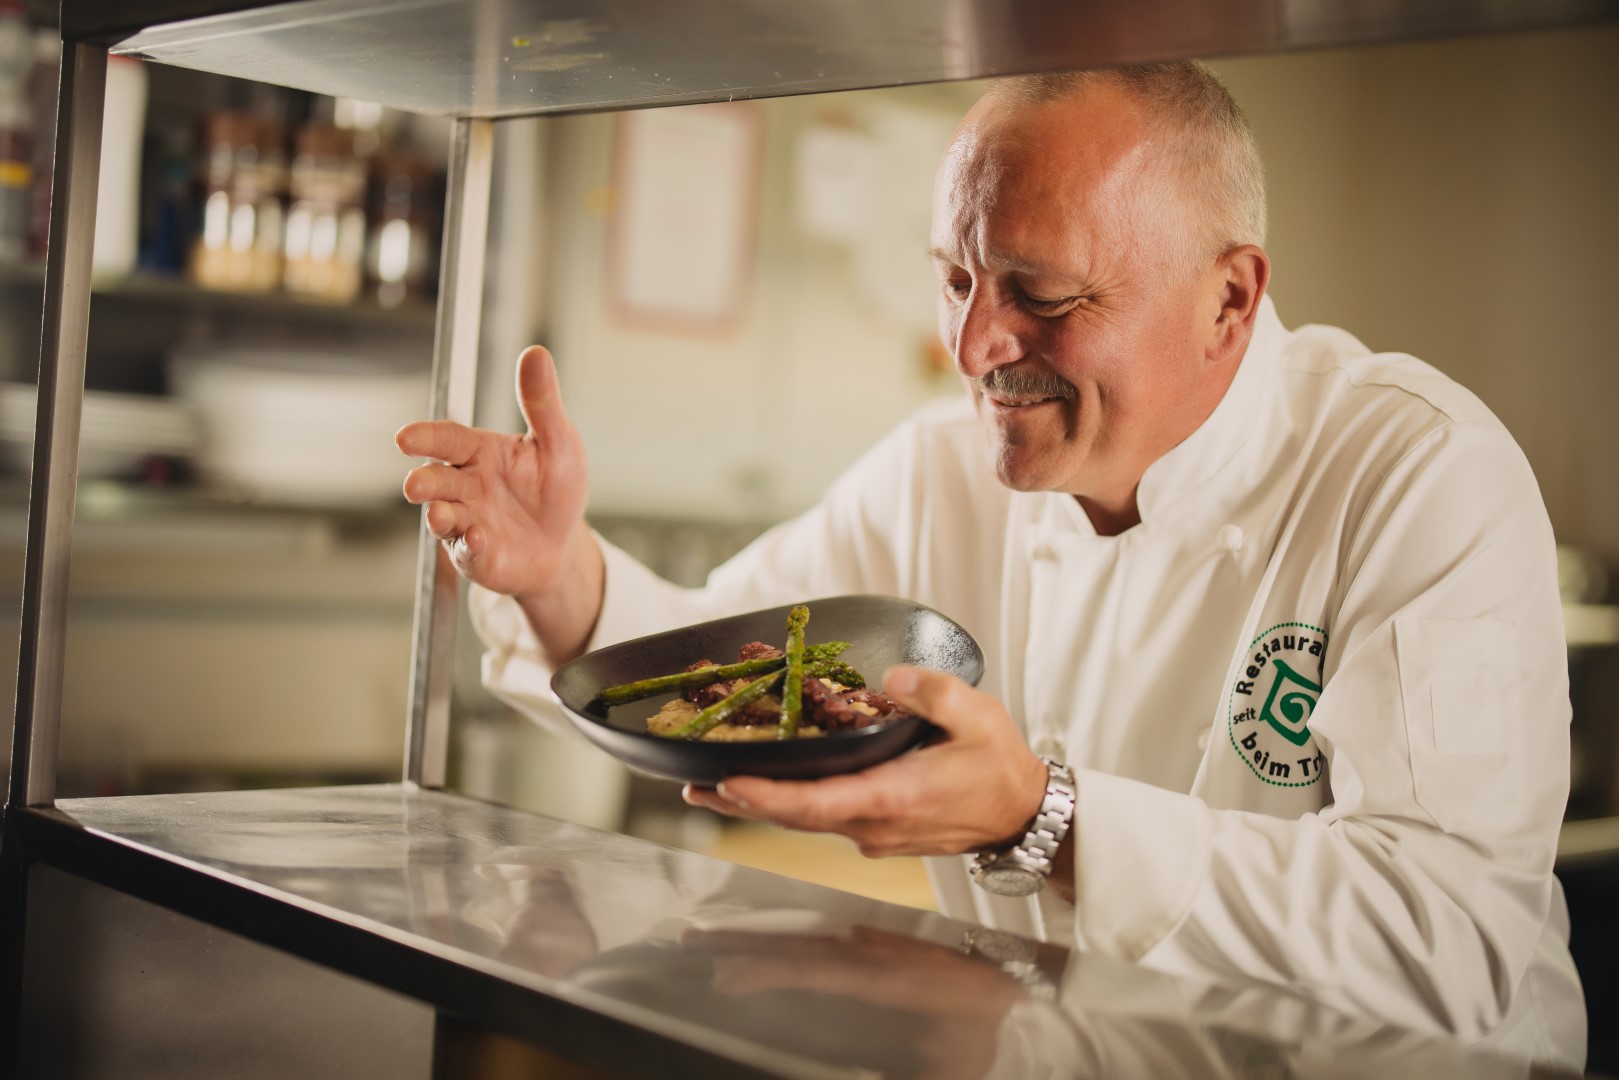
column 118, row 189
column 42, row 104
column 16, row 130
column 244, row 174
column 325, row 236
column 168, row 193
column 400, row 260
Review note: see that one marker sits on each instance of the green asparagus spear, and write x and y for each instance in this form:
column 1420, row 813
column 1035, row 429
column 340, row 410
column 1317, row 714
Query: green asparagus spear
column 826, row 669
column 840, row 673
column 792, row 690
column 691, row 680
column 727, row 707
column 700, row 725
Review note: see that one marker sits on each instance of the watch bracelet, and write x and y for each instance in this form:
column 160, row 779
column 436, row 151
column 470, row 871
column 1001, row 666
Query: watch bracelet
column 1037, row 849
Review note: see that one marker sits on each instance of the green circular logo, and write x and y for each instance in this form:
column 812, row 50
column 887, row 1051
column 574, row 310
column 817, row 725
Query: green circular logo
column 1272, row 700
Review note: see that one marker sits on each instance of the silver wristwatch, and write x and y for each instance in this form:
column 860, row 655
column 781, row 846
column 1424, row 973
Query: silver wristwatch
column 1022, row 869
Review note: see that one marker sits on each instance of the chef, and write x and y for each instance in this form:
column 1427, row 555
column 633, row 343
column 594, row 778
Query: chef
column 1276, row 684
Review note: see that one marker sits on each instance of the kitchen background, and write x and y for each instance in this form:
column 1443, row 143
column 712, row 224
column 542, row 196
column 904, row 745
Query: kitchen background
column 740, row 303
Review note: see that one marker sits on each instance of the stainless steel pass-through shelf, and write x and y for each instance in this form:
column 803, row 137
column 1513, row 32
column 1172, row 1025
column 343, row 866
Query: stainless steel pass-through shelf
column 497, row 58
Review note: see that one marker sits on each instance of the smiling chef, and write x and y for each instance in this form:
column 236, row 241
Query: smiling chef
column 1276, row 680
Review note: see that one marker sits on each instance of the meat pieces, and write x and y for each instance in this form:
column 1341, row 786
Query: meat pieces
column 767, row 710
column 758, row 650
column 887, row 708
column 824, row 707
column 832, row 710
column 704, row 696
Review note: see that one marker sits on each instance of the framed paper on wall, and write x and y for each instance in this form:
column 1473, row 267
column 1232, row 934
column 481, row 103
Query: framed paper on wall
column 684, row 216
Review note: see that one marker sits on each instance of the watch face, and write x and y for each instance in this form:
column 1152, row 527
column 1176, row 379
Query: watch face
column 1010, row 881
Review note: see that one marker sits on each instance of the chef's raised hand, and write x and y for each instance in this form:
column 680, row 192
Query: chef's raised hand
column 510, row 509
column 976, row 787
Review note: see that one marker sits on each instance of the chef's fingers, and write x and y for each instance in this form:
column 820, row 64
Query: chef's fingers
column 944, row 699
column 840, row 804
column 432, row 483
column 709, row 799
column 539, row 395
column 448, row 521
column 441, row 440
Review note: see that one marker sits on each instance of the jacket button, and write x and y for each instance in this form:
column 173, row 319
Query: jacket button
column 1229, row 537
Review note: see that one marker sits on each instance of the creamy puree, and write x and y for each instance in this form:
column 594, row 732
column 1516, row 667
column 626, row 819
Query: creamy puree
column 679, row 712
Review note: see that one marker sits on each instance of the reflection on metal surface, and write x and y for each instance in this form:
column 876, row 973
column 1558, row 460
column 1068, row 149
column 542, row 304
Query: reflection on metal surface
column 116, row 989
column 771, row 974
column 520, row 57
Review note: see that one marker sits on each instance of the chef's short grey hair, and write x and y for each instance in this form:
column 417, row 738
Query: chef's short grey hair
column 1208, row 143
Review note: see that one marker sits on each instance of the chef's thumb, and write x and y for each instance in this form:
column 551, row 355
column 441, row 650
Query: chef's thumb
column 539, row 395
column 944, row 699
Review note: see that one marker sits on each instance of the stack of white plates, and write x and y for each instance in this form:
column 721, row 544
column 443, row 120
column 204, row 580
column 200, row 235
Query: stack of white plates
column 301, row 427
column 119, row 431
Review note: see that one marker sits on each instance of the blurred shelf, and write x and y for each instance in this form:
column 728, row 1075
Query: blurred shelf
column 113, row 516
column 1588, row 625
column 175, row 292
column 103, row 499
column 1589, row 839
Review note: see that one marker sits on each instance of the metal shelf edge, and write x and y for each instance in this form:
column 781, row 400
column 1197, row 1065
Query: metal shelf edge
column 377, row 955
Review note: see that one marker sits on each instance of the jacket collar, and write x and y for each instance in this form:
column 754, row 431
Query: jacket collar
column 1203, row 455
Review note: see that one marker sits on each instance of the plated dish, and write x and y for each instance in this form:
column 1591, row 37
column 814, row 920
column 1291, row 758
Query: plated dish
column 873, row 633
column 799, row 691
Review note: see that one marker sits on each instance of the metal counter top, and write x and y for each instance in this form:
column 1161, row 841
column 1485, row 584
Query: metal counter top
column 656, row 962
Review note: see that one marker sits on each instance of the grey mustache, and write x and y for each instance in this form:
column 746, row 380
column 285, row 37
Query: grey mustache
column 1018, row 382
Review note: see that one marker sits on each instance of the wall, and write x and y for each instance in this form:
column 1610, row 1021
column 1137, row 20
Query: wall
column 752, row 424
column 1455, row 200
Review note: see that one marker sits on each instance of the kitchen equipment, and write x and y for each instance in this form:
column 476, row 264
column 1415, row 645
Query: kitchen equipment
column 120, row 432
column 882, row 631
column 301, row 427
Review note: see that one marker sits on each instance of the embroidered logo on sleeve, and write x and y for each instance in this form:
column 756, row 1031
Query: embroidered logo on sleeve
column 1272, row 701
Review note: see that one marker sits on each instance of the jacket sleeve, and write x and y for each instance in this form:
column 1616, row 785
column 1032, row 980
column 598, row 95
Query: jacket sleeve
column 846, row 543
column 1421, row 893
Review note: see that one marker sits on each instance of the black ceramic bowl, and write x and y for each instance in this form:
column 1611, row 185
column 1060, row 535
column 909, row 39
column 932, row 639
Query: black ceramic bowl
column 882, row 631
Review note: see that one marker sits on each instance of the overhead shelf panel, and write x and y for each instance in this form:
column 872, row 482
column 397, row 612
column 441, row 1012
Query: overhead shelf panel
column 502, row 58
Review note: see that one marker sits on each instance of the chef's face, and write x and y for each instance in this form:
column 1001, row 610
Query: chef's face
column 1067, row 295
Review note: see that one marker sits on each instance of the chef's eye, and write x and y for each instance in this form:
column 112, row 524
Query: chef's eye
column 957, row 288
column 1048, row 306
column 1042, row 306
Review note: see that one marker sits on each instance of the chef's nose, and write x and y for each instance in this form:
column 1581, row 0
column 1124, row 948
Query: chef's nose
column 985, row 335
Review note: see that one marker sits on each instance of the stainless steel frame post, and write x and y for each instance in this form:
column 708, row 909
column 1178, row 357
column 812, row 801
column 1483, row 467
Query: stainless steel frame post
column 455, row 372
column 54, row 483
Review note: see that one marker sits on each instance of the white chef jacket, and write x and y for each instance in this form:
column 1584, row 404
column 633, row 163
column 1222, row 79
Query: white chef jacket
column 1316, row 701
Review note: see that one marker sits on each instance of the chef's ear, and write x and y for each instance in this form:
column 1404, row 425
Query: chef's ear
column 1244, row 273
